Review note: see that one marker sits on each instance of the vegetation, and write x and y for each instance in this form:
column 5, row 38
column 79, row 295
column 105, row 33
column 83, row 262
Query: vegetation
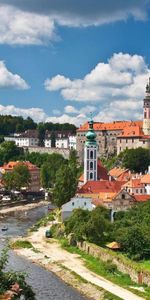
column 130, row 229
column 137, row 160
column 9, row 151
column 13, row 281
column 18, row 178
column 21, row 244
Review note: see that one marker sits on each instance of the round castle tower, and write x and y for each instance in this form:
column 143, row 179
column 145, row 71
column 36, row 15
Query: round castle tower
column 90, row 155
column 146, row 119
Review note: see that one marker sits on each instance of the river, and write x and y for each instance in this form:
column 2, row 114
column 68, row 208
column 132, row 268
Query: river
column 45, row 284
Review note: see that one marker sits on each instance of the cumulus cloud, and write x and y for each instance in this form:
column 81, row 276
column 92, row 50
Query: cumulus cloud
column 37, row 114
column 24, row 28
column 8, row 79
column 77, row 120
column 34, row 21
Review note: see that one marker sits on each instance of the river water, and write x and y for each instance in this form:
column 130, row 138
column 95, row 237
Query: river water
column 45, row 284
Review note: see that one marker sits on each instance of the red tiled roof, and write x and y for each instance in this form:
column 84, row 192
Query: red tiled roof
column 132, row 130
column 101, row 186
column 142, row 198
column 116, row 125
column 134, row 183
column 146, row 179
column 115, row 172
column 12, row 164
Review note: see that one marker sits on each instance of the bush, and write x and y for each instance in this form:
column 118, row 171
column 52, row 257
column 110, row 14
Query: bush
column 57, row 230
column 110, row 267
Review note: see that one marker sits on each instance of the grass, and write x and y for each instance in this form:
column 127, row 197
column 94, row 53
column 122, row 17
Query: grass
column 43, row 222
column 106, row 270
column 21, row 244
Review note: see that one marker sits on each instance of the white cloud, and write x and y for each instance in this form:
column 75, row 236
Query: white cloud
column 8, row 79
column 37, row 114
column 124, row 76
column 24, row 28
column 34, row 22
column 77, row 120
column 70, row 109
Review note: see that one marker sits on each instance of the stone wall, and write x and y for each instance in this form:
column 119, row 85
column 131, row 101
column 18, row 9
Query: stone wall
column 64, row 152
column 123, row 264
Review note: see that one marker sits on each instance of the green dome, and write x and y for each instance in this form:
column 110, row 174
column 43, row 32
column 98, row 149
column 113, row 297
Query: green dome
column 91, row 135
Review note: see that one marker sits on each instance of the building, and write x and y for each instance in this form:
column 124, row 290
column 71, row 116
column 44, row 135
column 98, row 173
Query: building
column 34, row 171
column 90, row 155
column 75, row 203
column 145, row 180
column 29, row 138
column 117, row 136
column 60, row 139
column 135, row 186
column 121, row 174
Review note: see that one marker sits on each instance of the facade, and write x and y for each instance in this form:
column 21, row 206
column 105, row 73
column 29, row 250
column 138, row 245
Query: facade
column 90, row 155
column 106, row 137
column 61, row 139
column 74, row 203
column 135, row 187
column 34, row 171
column 29, row 138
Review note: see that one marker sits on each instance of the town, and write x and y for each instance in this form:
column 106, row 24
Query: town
column 93, row 183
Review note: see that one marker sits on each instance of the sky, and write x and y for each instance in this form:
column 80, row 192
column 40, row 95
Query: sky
column 61, row 60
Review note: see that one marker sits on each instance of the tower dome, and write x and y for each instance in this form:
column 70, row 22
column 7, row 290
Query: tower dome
column 91, row 135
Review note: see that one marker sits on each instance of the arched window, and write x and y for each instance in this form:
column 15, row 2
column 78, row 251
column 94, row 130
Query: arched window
column 91, row 154
column 91, row 175
column 91, row 165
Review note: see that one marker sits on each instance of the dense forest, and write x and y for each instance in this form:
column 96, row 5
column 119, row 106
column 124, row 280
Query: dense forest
column 10, row 124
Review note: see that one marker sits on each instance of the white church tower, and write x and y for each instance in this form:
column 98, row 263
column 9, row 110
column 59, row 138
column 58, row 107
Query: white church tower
column 146, row 120
column 90, row 155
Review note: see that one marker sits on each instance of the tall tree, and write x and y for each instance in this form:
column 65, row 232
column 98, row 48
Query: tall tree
column 65, row 185
column 18, row 178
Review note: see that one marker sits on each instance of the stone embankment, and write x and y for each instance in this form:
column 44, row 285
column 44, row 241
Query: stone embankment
column 23, row 207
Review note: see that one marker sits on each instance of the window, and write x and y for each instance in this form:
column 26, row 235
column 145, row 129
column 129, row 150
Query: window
column 91, row 165
column 136, row 191
column 91, row 154
column 91, row 175
column 126, row 141
column 132, row 140
column 72, row 203
column 123, row 196
column 84, row 203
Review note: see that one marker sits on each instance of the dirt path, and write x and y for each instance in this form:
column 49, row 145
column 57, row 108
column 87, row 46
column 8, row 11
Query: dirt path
column 73, row 262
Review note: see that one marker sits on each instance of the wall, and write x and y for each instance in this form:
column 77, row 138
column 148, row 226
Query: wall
column 64, row 152
column 123, row 264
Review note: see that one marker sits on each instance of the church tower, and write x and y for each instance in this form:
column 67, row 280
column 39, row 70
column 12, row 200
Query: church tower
column 146, row 120
column 90, row 155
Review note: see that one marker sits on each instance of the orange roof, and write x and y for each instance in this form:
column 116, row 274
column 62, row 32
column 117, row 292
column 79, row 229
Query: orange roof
column 134, row 183
column 12, row 164
column 132, row 130
column 126, row 176
column 101, row 186
column 146, row 179
column 115, row 172
column 116, row 125
column 142, row 198
column 113, row 246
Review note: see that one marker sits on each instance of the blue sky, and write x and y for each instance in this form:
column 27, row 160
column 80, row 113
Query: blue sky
column 62, row 59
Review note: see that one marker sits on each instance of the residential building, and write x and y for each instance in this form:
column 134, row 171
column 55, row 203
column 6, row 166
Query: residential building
column 135, row 186
column 60, row 139
column 121, row 174
column 145, row 180
column 34, row 171
column 74, row 203
column 29, row 138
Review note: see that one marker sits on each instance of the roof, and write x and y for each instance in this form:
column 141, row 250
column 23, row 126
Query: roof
column 134, row 183
column 146, row 179
column 142, row 198
column 113, row 246
column 12, row 164
column 30, row 133
column 58, row 134
column 116, row 172
column 132, row 130
column 116, row 125
column 101, row 186
column 101, row 172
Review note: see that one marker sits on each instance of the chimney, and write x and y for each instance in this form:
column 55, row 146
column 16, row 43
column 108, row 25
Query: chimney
column 109, row 177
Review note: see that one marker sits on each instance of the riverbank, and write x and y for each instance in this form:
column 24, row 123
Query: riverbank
column 70, row 268
column 20, row 208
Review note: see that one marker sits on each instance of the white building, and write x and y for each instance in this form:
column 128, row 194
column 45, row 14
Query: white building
column 74, row 203
column 146, row 181
column 29, row 138
column 90, row 155
column 72, row 142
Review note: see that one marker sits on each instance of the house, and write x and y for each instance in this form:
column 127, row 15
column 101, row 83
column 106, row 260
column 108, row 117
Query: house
column 135, row 186
column 120, row 174
column 74, row 203
column 61, row 139
column 29, row 138
column 145, row 180
column 34, row 171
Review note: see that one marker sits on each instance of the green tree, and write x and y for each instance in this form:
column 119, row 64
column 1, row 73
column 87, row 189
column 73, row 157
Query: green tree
column 77, row 223
column 65, row 185
column 9, row 151
column 136, row 160
column 18, row 178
